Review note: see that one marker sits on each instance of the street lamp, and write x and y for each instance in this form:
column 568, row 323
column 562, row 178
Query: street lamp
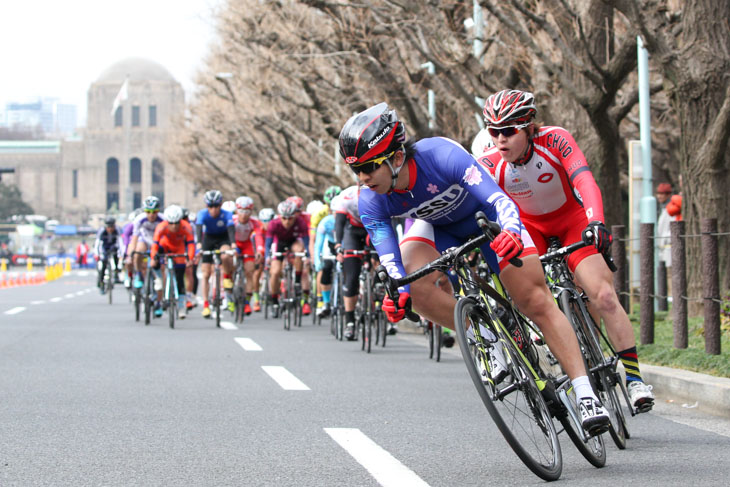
column 431, row 96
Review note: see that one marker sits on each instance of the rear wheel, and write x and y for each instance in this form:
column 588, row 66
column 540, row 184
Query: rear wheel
column 515, row 403
column 438, row 342
column 218, row 297
column 148, row 297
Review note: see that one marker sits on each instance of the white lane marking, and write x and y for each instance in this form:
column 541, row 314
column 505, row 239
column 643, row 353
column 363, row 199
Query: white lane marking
column 68, row 296
column 82, row 273
column 55, row 300
column 37, row 302
column 284, row 378
column 15, row 311
column 227, row 325
column 388, row 471
column 248, row 344
column 80, row 293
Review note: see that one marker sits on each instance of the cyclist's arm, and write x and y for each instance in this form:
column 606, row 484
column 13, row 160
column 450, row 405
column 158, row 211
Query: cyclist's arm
column 580, row 176
column 340, row 222
column 97, row 243
column 199, row 233
column 231, row 234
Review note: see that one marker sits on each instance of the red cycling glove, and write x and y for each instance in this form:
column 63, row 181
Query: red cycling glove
column 396, row 313
column 507, row 245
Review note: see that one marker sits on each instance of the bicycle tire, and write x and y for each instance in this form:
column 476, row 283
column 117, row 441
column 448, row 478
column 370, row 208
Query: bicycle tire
column 172, row 310
column 110, row 282
column 384, row 328
column 218, row 297
column 148, row 297
column 137, row 303
column 439, row 340
column 578, row 316
column 517, row 409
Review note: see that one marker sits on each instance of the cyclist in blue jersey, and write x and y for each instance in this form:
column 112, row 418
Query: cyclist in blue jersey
column 438, row 183
column 324, row 244
column 215, row 229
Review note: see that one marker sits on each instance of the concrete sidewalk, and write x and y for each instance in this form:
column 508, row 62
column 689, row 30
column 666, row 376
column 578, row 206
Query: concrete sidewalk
column 710, row 394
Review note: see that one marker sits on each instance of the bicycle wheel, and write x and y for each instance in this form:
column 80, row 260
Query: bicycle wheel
column 137, row 303
column 218, row 297
column 148, row 297
column 109, row 282
column 172, row 310
column 593, row 449
column 429, row 330
column 438, row 342
column 602, row 372
column 383, row 328
column 515, row 403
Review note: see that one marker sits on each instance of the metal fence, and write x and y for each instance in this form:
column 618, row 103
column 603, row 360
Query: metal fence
column 710, row 281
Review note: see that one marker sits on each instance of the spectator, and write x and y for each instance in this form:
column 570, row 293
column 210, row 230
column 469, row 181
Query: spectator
column 663, row 195
column 82, row 253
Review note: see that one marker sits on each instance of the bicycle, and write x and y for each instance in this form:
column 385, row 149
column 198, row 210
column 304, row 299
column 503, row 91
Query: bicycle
column 239, row 287
column 290, row 299
column 137, row 294
column 524, row 403
column 434, row 334
column 337, row 317
column 602, row 366
column 365, row 309
column 264, row 293
column 107, row 280
column 217, row 300
column 170, row 295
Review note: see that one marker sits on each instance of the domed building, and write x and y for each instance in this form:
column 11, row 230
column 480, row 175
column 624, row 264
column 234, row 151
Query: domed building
column 119, row 160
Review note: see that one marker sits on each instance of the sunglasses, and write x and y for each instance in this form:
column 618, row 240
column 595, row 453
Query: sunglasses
column 287, row 217
column 244, row 210
column 371, row 165
column 506, row 131
column 214, row 206
column 151, row 211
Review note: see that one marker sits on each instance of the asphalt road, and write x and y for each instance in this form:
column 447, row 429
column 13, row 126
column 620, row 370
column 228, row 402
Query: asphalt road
column 90, row 397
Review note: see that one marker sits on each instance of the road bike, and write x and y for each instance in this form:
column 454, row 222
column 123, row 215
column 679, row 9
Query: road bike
column 337, row 302
column 290, row 300
column 217, row 299
column 239, row 287
column 107, row 280
column 489, row 328
column 600, row 357
column 171, row 296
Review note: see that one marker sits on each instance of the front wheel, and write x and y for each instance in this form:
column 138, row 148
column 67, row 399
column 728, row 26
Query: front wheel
column 515, row 402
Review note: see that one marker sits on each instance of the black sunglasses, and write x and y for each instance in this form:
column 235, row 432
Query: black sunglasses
column 506, row 131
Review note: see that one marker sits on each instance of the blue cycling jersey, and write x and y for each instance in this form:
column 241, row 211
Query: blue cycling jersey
column 446, row 188
column 325, row 233
column 215, row 226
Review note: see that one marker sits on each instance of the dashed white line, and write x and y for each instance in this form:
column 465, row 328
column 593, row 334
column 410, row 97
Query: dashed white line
column 80, row 293
column 68, row 296
column 37, row 302
column 227, row 325
column 388, row 471
column 248, row 344
column 15, row 311
column 284, row 378
column 55, row 300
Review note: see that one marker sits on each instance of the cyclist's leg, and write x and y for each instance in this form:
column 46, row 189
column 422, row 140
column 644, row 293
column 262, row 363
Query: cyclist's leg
column 139, row 265
column 100, row 270
column 226, row 268
column 594, row 276
column 325, row 276
column 275, row 280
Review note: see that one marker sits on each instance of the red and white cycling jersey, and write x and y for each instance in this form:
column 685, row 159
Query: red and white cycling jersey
column 244, row 231
column 553, row 182
column 346, row 202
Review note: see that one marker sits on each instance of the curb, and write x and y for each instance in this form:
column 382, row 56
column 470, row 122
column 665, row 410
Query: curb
column 706, row 393
column 710, row 394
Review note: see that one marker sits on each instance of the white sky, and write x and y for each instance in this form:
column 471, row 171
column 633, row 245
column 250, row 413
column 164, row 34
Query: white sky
column 57, row 48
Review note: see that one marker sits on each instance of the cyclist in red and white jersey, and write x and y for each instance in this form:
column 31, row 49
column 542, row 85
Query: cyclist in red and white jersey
column 248, row 231
column 544, row 171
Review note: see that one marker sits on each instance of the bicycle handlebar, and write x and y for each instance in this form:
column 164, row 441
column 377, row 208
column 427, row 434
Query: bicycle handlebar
column 569, row 249
column 490, row 230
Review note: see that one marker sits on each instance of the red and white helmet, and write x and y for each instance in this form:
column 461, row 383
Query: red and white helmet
column 509, row 106
column 298, row 201
column 244, row 203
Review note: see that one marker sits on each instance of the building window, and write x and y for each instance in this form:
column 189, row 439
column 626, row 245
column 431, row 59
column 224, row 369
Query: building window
column 112, row 183
column 112, row 172
column 137, row 199
column 135, row 116
column 158, row 180
column 135, row 171
column 153, row 115
column 75, row 182
column 118, row 117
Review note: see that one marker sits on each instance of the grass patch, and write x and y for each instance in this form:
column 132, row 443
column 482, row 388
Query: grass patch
column 694, row 358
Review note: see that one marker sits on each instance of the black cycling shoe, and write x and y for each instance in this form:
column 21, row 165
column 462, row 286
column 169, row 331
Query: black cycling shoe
column 350, row 332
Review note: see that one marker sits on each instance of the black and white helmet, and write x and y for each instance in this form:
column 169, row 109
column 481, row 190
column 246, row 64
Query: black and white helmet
column 213, row 198
column 151, row 203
